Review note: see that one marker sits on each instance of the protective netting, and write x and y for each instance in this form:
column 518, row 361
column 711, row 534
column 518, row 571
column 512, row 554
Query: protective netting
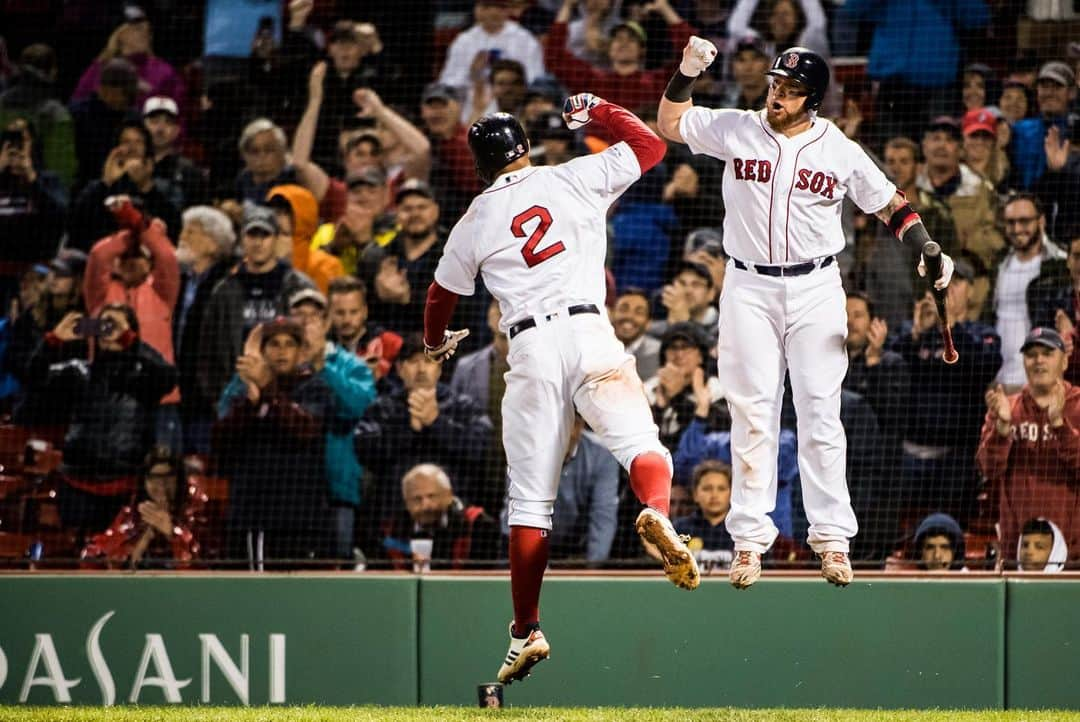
column 224, row 370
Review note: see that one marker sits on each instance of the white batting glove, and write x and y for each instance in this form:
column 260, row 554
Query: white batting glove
column 947, row 267
column 446, row 349
column 576, row 109
column 696, row 56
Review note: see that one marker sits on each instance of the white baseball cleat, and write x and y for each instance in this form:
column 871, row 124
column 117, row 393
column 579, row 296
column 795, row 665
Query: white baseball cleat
column 679, row 564
column 836, row 568
column 745, row 569
column 523, row 655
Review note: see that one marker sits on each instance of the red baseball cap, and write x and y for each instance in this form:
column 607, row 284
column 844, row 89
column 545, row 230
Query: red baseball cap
column 979, row 119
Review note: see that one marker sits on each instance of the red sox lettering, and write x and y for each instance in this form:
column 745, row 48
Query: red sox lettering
column 761, row 170
column 816, row 182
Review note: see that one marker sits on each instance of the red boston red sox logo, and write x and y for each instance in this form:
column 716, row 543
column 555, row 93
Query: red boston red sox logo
column 816, row 182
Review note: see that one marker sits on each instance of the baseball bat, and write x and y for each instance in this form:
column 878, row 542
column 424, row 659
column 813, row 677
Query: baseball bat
column 932, row 257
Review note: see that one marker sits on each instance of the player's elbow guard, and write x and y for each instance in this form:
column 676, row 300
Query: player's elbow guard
column 904, row 220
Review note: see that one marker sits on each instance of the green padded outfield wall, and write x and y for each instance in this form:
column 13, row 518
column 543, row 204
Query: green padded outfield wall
column 181, row 639
column 798, row 643
column 1042, row 625
column 378, row 639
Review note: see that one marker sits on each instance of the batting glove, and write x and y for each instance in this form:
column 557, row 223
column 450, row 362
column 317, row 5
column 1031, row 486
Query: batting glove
column 696, row 56
column 947, row 267
column 576, row 109
column 446, row 349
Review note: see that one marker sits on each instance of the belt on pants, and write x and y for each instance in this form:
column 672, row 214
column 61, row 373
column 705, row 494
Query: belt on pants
column 799, row 269
column 528, row 323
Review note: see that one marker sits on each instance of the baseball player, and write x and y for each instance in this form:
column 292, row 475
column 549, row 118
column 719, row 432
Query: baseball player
column 782, row 307
column 537, row 235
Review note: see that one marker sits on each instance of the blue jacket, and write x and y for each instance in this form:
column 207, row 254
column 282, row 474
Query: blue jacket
column 642, row 230
column 696, row 445
column 915, row 40
column 352, row 388
column 1027, row 147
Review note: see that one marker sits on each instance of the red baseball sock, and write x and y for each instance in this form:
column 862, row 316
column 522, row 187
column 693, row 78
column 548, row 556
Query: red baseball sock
column 650, row 478
column 528, row 560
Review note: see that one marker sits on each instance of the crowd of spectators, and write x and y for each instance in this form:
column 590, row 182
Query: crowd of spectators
column 215, row 248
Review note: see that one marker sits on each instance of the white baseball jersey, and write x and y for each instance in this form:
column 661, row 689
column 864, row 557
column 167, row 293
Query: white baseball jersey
column 783, row 195
column 539, row 235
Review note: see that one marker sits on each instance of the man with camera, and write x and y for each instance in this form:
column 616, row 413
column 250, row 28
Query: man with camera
column 110, row 399
column 33, row 202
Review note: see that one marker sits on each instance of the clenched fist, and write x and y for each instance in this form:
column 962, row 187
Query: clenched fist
column 576, row 109
column 698, row 54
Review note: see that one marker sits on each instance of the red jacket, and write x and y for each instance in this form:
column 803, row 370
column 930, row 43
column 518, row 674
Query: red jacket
column 113, row 547
column 633, row 91
column 1036, row 469
column 153, row 300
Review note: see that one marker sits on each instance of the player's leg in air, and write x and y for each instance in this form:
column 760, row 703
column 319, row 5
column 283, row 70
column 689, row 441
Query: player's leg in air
column 537, row 418
column 615, row 407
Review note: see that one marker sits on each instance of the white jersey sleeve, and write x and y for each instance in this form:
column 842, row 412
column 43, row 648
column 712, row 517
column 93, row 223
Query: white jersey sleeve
column 868, row 186
column 458, row 266
column 705, row 130
column 603, row 176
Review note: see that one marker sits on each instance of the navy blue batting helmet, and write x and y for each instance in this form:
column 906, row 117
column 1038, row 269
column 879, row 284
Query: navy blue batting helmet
column 806, row 67
column 496, row 140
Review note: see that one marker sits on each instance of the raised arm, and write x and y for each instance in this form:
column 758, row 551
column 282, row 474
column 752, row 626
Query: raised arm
column 418, row 162
column 311, row 175
column 648, row 148
column 697, row 55
column 738, row 24
column 573, row 72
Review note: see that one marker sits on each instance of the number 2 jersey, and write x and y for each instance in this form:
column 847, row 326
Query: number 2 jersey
column 538, row 235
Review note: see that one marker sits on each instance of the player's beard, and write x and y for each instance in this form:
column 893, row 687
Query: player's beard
column 787, row 120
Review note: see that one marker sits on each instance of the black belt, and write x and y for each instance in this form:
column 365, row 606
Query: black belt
column 528, row 323
column 799, row 269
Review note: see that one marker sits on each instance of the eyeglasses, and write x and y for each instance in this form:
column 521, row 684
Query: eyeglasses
column 1026, row 221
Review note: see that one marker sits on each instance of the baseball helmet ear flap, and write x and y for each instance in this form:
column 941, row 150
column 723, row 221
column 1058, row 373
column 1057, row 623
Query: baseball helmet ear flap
column 496, row 140
column 806, row 67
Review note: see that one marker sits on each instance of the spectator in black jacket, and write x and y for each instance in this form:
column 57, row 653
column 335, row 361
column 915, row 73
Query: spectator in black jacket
column 1054, row 301
column 878, row 375
column 683, row 387
column 186, row 182
column 1059, row 186
column 61, row 295
column 354, row 51
column 128, row 170
column 943, row 424
column 205, row 256
column 99, row 118
column 258, row 289
column 32, row 200
column 112, row 401
column 421, row 421
column 271, row 444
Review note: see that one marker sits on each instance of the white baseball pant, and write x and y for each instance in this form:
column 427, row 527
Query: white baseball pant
column 769, row 325
column 561, row 364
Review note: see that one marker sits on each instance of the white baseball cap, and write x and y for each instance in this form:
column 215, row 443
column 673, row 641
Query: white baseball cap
column 160, row 104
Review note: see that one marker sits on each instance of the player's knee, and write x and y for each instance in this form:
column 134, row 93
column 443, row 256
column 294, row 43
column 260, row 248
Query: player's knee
column 523, row 512
column 654, row 460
